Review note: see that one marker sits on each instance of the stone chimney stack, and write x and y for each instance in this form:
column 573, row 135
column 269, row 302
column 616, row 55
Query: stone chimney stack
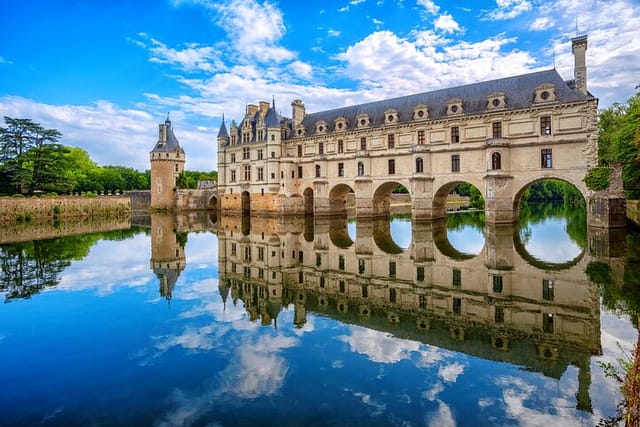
column 162, row 134
column 264, row 107
column 297, row 112
column 579, row 49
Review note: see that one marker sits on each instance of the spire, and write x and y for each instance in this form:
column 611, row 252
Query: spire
column 273, row 102
column 167, row 122
column 222, row 133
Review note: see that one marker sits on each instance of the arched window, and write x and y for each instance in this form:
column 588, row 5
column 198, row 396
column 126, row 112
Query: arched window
column 317, row 171
column 495, row 161
column 360, row 168
column 419, row 165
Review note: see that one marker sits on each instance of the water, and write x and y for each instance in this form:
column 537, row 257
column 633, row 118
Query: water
column 295, row 322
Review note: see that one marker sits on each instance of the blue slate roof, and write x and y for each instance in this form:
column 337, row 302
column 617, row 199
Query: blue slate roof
column 172, row 143
column 222, row 133
column 519, row 93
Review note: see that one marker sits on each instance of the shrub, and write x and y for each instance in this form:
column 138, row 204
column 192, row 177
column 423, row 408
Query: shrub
column 597, row 179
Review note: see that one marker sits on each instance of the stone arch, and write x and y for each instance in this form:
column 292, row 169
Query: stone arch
column 246, row 203
column 544, row 265
column 339, row 233
column 526, row 184
column 442, row 242
column 339, row 198
column 382, row 197
column 212, row 204
column 383, row 238
column 440, row 196
column 308, row 201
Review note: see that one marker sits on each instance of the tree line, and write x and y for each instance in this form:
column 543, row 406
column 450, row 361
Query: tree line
column 33, row 161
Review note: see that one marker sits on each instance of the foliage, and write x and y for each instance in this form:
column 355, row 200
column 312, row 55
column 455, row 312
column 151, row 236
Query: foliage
column 597, row 179
column 552, row 190
column 189, row 179
column 619, row 141
column 467, row 190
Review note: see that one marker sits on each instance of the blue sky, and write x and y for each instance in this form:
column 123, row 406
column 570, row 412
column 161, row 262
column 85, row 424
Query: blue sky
column 106, row 73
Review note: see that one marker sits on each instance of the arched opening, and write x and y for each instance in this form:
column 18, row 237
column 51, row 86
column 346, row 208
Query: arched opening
column 213, row 203
column 419, row 165
column 308, row 201
column 341, row 199
column 461, row 236
column 391, row 199
column 552, row 223
column 339, row 233
column 392, row 236
column 360, row 169
column 246, row 203
column 457, row 196
column 496, row 161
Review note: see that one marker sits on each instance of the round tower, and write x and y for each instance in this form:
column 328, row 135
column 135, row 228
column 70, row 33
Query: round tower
column 167, row 163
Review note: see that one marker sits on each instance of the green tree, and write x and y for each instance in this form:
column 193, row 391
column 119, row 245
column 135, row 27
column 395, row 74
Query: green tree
column 619, row 141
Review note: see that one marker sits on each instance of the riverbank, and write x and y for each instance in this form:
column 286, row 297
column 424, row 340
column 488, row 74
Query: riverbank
column 24, row 209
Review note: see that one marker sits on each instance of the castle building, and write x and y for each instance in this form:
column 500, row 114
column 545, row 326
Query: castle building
column 167, row 163
column 500, row 136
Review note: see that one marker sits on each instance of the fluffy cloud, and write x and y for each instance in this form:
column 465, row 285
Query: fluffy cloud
column 193, row 57
column 509, row 9
column 429, row 5
column 446, row 24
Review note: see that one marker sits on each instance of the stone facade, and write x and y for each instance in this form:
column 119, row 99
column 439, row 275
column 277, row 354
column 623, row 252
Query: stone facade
column 501, row 136
column 167, row 163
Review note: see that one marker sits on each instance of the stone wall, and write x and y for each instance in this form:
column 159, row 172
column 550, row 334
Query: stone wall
column 633, row 210
column 12, row 232
column 13, row 209
column 140, row 200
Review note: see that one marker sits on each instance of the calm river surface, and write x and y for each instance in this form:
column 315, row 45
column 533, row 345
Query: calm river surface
column 232, row 321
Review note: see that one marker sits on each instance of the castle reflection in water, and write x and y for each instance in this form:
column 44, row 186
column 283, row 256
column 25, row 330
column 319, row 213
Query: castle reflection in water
column 501, row 304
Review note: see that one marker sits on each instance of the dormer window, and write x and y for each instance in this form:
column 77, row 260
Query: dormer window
column 391, row 116
column 545, row 93
column 300, row 130
column 420, row 112
column 363, row 120
column 496, row 101
column 321, row 127
column 340, row 124
column 454, row 107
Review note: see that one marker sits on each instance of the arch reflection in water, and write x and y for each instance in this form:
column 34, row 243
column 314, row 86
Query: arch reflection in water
column 494, row 305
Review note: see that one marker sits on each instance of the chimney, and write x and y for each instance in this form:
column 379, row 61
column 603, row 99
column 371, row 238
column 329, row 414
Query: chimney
column 162, row 134
column 252, row 109
column 297, row 112
column 579, row 49
column 264, row 107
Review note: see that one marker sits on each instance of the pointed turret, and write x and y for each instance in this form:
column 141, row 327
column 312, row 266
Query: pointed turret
column 222, row 133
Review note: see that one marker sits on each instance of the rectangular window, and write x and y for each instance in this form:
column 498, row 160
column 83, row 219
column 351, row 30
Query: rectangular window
column 260, row 174
column 340, row 169
column 233, row 267
column 233, row 176
column 342, row 287
column 299, row 150
column 392, row 166
column 340, row 146
column 363, row 143
column 300, row 172
column 318, row 260
column 273, row 154
column 422, row 301
column 455, row 134
column 391, row 141
column 499, row 315
column 260, row 254
column 421, row 137
column 547, row 289
column 455, row 163
column 497, row 284
column 261, row 273
column 546, row 158
column 420, row 274
column 361, row 266
column 497, row 129
column 393, row 295
column 247, row 253
column 317, row 171
column 321, row 148
column 233, row 249
column 545, row 125
column 341, row 262
column 457, row 306
column 365, row 291
column 247, row 172
column 233, row 157
column 245, row 153
column 259, row 154
column 392, row 269
column 457, row 278
column 322, row 281
column 547, row 323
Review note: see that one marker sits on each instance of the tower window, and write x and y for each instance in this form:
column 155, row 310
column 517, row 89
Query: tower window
column 391, row 140
column 421, row 137
column 546, row 158
column 340, row 146
column 455, row 134
column 545, row 125
column 363, row 143
column 392, row 166
column 340, row 169
column 455, row 163
column 497, row 129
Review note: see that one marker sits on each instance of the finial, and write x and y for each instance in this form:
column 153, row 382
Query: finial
column 222, row 117
column 273, row 101
column 167, row 122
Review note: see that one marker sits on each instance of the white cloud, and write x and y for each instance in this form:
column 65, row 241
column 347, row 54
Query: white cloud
column 333, row 33
column 443, row 416
column 450, row 373
column 192, row 58
column 302, row 69
column 379, row 346
column 254, row 29
column 541, row 24
column 446, row 24
column 377, row 22
column 429, row 5
column 509, row 9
